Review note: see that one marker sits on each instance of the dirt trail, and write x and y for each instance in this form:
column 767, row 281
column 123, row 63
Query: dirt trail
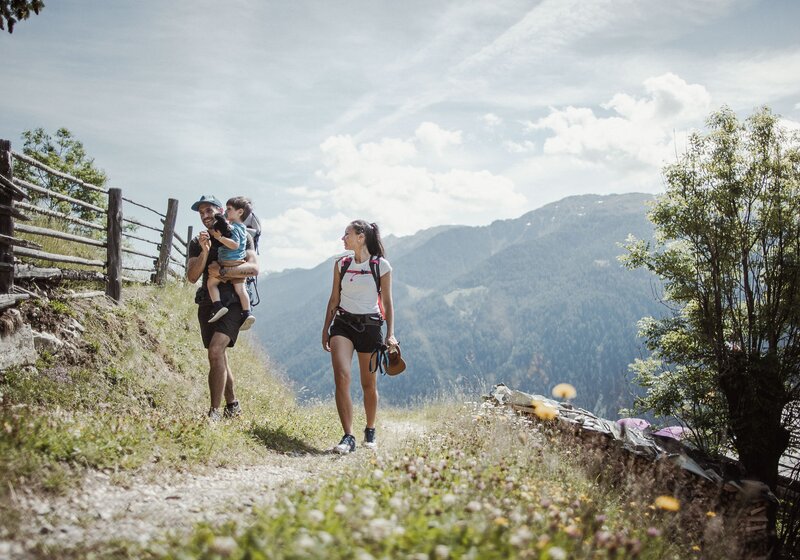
column 141, row 511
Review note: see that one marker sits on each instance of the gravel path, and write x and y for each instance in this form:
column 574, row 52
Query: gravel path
column 141, row 511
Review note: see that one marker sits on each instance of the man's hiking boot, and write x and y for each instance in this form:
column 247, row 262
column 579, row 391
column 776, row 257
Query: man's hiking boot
column 347, row 445
column 247, row 320
column 213, row 415
column 232, row 410
column 369, row 438
column 217, row 311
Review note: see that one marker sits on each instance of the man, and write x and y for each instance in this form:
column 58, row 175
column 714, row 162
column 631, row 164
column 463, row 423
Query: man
column 222, row 334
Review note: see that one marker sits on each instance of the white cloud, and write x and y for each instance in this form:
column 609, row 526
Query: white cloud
column 519, row 147
column 300, row 237
column 490, row 120
column 432, row 136
column 639, row 133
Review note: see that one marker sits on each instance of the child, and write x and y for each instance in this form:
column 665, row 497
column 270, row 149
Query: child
column 233, row 239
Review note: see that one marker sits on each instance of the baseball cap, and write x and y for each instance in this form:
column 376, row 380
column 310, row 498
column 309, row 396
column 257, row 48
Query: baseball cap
column 206, row 199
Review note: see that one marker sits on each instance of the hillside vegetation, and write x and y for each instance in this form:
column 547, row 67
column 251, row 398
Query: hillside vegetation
column 466, row 480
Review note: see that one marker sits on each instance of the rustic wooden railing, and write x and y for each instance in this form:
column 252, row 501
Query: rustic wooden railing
column 119, row 241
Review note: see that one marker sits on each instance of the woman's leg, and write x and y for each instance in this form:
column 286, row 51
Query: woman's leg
column 369, row 384
column 341, row 359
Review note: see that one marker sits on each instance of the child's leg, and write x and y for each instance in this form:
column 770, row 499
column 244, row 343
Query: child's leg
column 241, row 291
column 213, row 289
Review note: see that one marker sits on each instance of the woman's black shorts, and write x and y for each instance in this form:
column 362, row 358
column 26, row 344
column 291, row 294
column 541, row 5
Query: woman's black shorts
column 366, row 337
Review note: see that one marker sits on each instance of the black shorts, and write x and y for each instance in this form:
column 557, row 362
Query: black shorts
column 228, row 324
column 365, row 337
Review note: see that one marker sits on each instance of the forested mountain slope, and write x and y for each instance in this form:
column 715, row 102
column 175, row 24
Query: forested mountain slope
column 531, row 301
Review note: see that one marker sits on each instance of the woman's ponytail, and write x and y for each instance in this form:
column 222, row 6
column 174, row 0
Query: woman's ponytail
column 372, row 236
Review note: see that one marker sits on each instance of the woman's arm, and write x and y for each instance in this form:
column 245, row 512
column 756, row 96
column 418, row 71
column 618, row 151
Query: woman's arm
column 388, row 307
column 330, row 309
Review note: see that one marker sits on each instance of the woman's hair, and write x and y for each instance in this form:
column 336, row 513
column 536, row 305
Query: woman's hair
column 372, row 235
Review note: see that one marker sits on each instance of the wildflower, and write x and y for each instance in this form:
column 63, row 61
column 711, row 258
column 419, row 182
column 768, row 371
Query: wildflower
column 442, row 552
column 305, row 542
column 564, row 391
column 448, row 499
column 224, row 546
column 379, row 529
column 501, row 521
column 520, row 537
column 377, row 474
column 653, row 532
column 545, row 411
column 696, row 548
column 710, row 514
column 396, row 502
column 339, row 509
column 316, row 516
column 473, row 506
column 557, row 553
column 667, row 503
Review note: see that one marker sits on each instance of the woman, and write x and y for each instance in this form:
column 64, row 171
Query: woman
column 361, row 300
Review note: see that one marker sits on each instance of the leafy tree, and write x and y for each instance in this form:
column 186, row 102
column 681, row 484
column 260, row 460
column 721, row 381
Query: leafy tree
column 728, row 249
column 13, row 11
column 63, row 152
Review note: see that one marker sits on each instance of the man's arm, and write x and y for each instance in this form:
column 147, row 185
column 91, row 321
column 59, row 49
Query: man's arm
column 197, row 263
column 249, row 268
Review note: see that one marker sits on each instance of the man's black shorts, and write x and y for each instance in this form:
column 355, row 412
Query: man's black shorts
column 365, row 338
column 228, row 324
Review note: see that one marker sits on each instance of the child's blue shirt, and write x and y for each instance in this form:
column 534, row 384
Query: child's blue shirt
column 239, row 234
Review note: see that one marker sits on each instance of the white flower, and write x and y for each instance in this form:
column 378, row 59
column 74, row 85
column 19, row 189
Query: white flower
column 377, row 474
column 442, row 552
column 396, row 502
column 557, row 553
column 474, row 506
column 339, row 509
column 316, row 516
column 380, row 529
column 449, row 499
column 521, row 536
column 304, row 541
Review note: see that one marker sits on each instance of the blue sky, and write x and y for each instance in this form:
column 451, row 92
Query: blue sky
column 412, row 114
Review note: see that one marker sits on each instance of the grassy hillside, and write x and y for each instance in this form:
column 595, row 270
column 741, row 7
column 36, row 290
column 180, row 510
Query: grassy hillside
column 132, row 397
column 466, row 482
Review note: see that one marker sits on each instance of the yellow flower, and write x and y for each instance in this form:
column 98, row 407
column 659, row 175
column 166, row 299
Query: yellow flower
column 710, row 514
column 545, row 411
column 696, row 548
column 667, row 503
column 564, row 391
column 501, row 521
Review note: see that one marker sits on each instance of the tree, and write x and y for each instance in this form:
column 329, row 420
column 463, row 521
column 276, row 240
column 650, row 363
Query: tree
column 728, row 249
column 13, row 11
column 64, row 153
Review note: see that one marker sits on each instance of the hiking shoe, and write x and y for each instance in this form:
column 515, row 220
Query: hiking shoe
column 232, row 410
column 247, row 320
column 369, row 438
column 217, row 311
column 347, row 445
column 213, row 415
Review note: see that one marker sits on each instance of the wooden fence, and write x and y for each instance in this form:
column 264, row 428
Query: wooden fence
column 118, row 241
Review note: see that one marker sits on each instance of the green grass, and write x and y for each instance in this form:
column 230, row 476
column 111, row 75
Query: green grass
column 489, row 486
column 135, row 401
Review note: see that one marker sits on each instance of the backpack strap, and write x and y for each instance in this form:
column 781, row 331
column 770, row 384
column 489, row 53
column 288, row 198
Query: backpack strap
column 375, row 268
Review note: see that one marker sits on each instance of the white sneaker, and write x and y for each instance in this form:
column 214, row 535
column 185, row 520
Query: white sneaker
column 247, row 323
column 347, row 445
column 369, row 438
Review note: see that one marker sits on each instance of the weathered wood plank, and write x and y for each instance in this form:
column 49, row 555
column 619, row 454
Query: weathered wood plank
column 30, row 161
column 15, row 192
column 60, row 235
column 15, row 242
column 114, row 245
column 7, row 300
column 13, row 212
column 6, row 221
column 60, row 215
column 135, row 252
column 54, row 257
column 59, row 196
column 166, row 242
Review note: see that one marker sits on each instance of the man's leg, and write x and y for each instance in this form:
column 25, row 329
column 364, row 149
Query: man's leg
column 230, row 395
column 218, row 368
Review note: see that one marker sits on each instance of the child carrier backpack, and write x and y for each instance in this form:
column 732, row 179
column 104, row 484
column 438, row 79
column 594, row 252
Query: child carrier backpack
column 253, row 226
column 374, row 269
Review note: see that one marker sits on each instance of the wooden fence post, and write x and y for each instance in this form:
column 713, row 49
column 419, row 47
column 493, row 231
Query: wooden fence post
column 114, row 245
column 166, row 241
column 6, row 222
column 189, row 233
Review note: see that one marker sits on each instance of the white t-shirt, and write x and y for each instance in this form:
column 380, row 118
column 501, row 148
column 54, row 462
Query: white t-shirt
column 359, row 294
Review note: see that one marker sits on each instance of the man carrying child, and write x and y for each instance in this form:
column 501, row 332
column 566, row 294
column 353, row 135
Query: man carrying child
column 221, row 334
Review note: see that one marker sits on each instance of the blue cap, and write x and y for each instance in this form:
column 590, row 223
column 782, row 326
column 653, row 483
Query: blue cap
column 206, row 199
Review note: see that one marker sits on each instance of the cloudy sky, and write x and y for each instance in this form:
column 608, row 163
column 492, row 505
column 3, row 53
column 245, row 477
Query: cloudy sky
column 411, row 114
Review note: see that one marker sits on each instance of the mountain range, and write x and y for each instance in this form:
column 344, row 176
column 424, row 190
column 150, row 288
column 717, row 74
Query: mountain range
column 530, row 302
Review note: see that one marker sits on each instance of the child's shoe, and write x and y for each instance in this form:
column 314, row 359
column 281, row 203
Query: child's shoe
column 247, row 320
column 217, row 311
